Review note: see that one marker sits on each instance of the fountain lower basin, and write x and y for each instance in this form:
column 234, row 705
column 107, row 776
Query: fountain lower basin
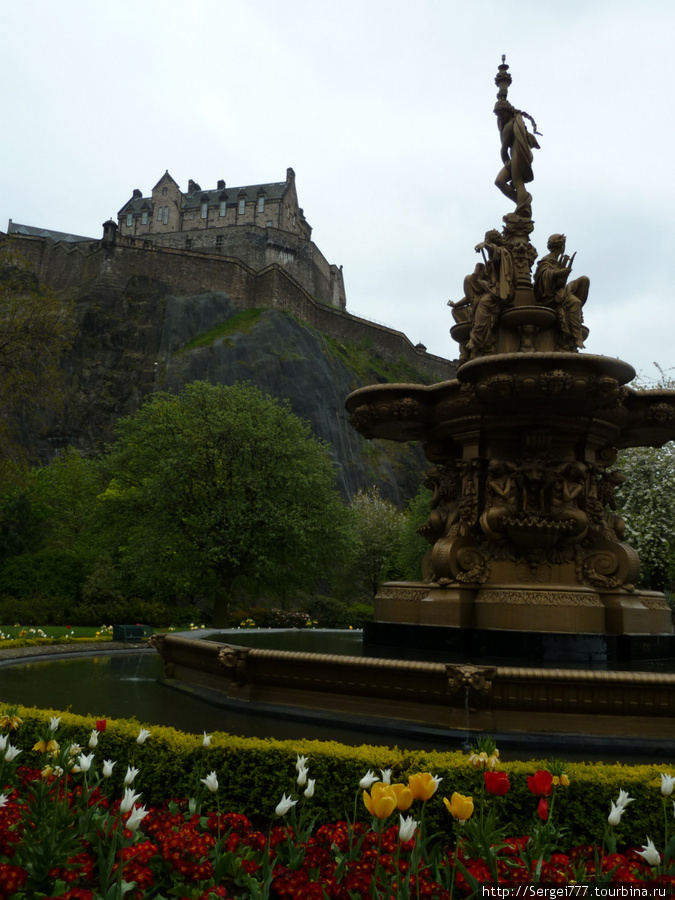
column 616, row 710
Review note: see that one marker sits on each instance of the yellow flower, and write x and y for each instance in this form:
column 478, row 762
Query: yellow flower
column 382, row 800
column 51, row 746
column 423, row 785
column 404, row 796
column 11, row 722
column 459, row 807
column 561, row 780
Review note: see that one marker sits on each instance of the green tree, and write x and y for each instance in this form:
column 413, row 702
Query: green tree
column 36, row 328
column 379, row 525
column 217, row 486
column 646, row 501
column 413, row 546
column 69, row 488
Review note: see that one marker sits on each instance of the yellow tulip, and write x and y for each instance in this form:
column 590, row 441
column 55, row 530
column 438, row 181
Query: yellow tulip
column 404, row 796
column 381, row 802
column 423, row 785
column 459, row 807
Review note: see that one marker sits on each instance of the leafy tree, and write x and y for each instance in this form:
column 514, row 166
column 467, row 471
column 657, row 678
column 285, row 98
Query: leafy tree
column 22, row 525
column 36, row 328
column 217, row 486
column 379, row 525
column 646, row 501
column 413, row 546
column 68, row 488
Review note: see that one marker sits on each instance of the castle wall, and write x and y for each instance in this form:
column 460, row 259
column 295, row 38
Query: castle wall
column 91, row 267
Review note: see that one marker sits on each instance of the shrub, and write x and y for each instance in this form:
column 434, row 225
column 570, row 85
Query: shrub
column 254, row 772
column 328, row 612
column 359, row 614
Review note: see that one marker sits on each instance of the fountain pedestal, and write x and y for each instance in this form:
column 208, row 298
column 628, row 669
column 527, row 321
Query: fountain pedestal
column 523, row 530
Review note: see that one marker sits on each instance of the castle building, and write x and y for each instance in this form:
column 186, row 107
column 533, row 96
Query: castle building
column 259, row 224
column 168, row 210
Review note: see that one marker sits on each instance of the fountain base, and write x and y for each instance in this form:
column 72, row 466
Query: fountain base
column 557, row 609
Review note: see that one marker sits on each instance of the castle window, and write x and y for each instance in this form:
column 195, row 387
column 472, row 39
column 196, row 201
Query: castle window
column 159, row 213
column 188, row 243
column 261, row 204
column 205, row 210
column 242, row 207
column 219, row 241
column 166, row 215
column 130, row 220
column 223, row 207
column 144, row 217
column 164, row 190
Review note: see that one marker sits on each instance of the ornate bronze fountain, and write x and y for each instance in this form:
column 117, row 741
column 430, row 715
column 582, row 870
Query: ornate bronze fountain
column 523, row 527
column 529, row 594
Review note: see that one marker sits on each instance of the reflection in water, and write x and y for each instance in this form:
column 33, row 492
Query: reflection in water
column 125, row 686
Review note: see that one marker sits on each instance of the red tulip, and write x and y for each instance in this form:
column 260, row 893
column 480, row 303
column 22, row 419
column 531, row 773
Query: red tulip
column 100, row 724
column 542, row 809
column 540, row 783
column 497, row 783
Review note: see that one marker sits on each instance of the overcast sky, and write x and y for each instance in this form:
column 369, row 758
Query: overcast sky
column 384, row 110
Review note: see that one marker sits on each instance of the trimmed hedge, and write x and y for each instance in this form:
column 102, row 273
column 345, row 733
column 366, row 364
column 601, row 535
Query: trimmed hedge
column 253, row 773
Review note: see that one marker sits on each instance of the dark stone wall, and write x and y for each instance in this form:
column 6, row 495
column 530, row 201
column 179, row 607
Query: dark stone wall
column 68, row 267
column 139, row 311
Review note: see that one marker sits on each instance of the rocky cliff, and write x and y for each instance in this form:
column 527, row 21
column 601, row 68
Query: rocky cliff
column 138, row 338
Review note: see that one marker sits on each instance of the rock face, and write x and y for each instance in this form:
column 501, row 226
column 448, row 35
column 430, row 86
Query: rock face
column 141, row 339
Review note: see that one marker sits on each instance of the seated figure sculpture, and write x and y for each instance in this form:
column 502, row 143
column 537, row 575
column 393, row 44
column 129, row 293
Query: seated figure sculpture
column 552, row 289
column 488, row 291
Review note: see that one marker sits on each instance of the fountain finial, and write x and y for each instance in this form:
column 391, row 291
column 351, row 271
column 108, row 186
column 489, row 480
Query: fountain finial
column 503, row 79
column 517, row 146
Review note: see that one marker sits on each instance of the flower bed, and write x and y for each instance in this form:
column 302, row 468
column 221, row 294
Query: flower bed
column 68, row 831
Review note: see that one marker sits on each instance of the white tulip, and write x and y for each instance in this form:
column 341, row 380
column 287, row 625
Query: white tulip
column 93, row 740
column 131, row 774
column 128, row 800
column 386, row 776
column 84, row 762
column 301, row 763
column 136, row 817
column 207, row 740
column 406, row 828
column 309, row 790
column 667, row 784
column 615, row 814
column 108, row 766
column 302, row 777
column 623, row 799
column 284, row 805
column 12, row 753
column 368, row 780
column 54, row 723
column 650, row 854
column 211, row 781
column 143, row 735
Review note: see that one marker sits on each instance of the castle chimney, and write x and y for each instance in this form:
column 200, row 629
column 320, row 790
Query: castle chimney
column 136, row 194
column 221, row 185
column 290, row 175
column 193, row 186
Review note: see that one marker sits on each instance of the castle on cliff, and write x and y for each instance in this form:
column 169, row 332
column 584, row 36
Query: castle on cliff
column 251, row 242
